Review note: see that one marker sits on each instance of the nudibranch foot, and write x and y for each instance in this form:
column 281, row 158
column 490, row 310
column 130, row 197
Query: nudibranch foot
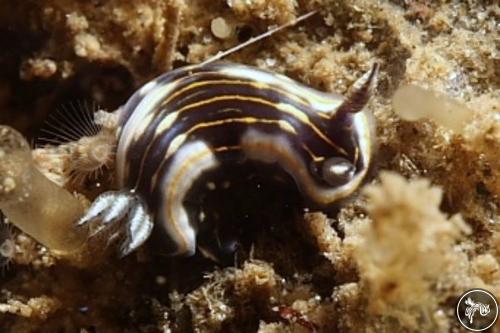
column 113, row 213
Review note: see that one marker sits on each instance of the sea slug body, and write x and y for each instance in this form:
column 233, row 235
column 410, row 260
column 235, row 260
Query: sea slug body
column 205, row 117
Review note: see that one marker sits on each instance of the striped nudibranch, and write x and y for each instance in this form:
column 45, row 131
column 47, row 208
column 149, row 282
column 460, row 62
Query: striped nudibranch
column 198, row 118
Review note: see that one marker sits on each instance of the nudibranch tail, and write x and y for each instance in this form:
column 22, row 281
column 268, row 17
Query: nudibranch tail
column 112, row 213
column 360, row 92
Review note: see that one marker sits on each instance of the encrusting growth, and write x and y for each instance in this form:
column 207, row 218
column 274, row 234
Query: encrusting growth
column 33, row 203
column 7, row 244
column 82, row 149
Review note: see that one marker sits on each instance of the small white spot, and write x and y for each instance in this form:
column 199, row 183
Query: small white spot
column 211, row 186
column 271, row 62
column 202, row 216
column 340, row 169
column 220, row 28
column 161, row 280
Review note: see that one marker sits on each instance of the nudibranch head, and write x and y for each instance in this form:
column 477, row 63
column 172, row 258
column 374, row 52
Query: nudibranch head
column 193, row 121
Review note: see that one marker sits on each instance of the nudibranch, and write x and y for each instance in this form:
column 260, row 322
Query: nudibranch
column 201, row 118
